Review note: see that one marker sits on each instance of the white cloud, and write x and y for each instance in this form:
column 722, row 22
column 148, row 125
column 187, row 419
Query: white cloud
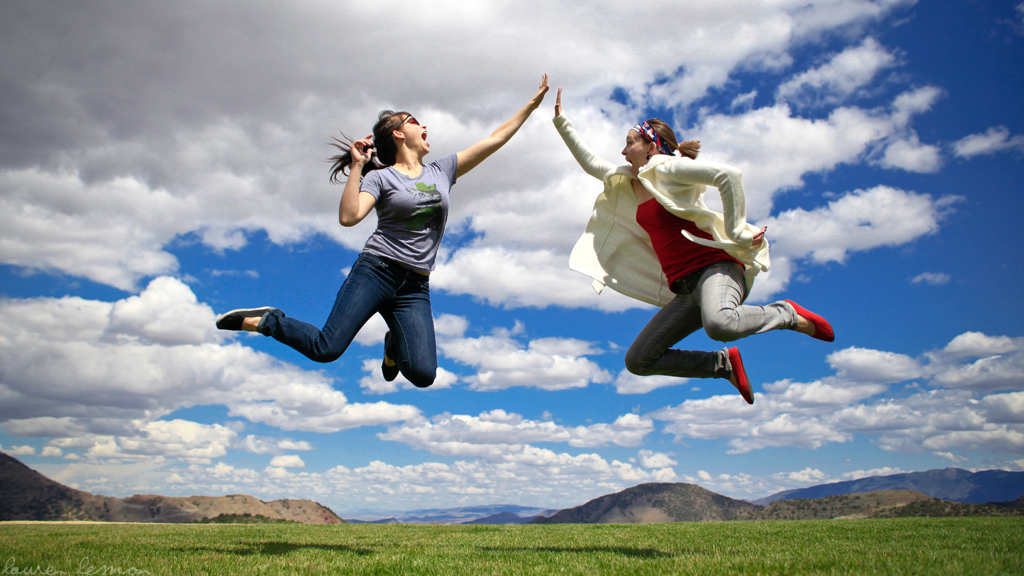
column 977, row 345
column 652, row 459
column 996, row 139
column 1004, row 372
column 501, row 436
column 931, row 278
column 862, row 365
column 860, row 220
column 372, row 332
column 807, row 476
column 629, row 383
column 266, row 445
column 884, row 471
column 946, row 422
column 1005, row 408
column 20, row 450
column 288, row 461
column 839, row 78
column 546, row 363
column 167, row 312
column 911, row 155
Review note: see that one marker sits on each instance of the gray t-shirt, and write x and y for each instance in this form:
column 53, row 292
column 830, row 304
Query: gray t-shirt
column 411, row 212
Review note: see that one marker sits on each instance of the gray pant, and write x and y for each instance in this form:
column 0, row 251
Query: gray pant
column 715, row 302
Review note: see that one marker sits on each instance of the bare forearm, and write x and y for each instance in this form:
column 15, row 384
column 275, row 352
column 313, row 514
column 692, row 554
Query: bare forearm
column 348, row 209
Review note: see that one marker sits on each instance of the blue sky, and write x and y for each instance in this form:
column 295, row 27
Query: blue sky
column 161, row 164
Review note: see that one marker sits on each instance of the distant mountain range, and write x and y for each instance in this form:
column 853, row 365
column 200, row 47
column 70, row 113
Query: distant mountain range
column 28, row 495
column 465, row 515
column 953, row 484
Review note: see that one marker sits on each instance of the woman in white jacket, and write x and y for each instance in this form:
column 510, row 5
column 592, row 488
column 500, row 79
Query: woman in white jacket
column 651, row 237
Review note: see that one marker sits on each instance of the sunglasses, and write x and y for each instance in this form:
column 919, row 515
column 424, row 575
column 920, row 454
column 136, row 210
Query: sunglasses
column 410, row 119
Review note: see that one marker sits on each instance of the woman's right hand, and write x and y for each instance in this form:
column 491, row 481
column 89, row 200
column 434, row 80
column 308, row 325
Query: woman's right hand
column 758, row 238
column 360, row 149
column 558, row 104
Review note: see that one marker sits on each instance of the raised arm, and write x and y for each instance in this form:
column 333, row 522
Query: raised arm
column 477, row 153
column 355, row 205
column 590, row 162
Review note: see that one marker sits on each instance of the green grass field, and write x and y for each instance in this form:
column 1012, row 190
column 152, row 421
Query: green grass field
column 892, row 546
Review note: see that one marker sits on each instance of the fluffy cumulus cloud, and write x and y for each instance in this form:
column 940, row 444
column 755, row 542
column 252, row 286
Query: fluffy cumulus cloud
column 77, row 368
column 964, row 409
column 839, row 78
column 552, row 479
column 502, row 362
column 863, row 365
column 652, row 459
column 629, row 383
column 860, row 220
column 500, row 436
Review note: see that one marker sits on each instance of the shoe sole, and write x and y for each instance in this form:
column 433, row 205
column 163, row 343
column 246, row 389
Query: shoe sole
column 233, row 320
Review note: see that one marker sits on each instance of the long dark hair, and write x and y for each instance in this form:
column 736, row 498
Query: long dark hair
column 384, row 146
column 689, row 149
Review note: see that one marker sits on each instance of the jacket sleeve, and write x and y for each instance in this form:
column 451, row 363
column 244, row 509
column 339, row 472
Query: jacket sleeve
column 729, row 182
column 590, row 162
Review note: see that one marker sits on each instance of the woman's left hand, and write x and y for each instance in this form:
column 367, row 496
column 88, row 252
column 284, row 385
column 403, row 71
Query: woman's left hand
column 756, row 242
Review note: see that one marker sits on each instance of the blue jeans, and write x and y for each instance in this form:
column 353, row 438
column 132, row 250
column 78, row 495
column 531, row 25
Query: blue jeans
column 375, row 285
column 712, row 299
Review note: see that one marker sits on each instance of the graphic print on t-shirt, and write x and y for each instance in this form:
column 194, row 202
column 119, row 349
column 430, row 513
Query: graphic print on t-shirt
column 428, row 201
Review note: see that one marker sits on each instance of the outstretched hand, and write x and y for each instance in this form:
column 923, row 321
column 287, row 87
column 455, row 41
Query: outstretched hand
column 541, row 91
column 558, row 104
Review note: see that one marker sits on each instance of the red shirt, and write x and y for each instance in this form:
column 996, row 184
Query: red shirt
column 678, row 256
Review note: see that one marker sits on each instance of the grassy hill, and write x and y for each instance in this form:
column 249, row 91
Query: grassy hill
column 653, row 503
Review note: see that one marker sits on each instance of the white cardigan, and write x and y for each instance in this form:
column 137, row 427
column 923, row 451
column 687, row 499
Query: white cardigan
column 615, row 251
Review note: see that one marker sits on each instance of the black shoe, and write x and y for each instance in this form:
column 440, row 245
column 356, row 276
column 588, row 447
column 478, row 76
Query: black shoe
column 390, row 372
column 233, row 320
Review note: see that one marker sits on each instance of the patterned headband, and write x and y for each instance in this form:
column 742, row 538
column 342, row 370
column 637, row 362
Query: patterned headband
column 645, row 130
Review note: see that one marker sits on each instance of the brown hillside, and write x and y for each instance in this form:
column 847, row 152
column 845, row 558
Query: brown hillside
column 840, row 506
column 655, row 502
column 28, row 495
column 936, row 508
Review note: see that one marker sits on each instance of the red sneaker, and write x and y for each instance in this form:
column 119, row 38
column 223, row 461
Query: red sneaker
column 742, row 382
column 822, row 329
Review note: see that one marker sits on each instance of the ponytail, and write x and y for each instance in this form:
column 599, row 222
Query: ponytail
column 384, row 147
column 689, row 149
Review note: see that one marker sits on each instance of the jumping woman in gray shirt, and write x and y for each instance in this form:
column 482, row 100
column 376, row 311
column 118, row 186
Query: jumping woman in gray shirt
column 386, row 172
